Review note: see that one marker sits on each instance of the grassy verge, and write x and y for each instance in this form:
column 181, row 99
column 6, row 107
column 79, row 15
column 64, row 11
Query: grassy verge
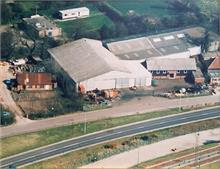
column 97, row 152
column 33, row 140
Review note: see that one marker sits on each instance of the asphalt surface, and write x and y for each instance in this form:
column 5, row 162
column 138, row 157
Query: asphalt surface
column 88, row 140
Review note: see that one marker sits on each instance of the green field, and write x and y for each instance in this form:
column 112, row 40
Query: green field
column 92, row 23
column 155, row 8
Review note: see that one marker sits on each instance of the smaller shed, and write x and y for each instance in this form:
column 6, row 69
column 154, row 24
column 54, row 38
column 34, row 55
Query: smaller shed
column 171, row 68
column 35, row 81
column 214, row 71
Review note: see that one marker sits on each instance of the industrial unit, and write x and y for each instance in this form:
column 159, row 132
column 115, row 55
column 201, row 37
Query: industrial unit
column 167, row 68
column 169, row 45
column 86, row 65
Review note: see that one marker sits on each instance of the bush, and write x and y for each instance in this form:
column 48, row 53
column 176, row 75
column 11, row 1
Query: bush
column 6, row 118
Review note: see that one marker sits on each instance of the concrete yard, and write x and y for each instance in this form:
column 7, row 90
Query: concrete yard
column 155, row 150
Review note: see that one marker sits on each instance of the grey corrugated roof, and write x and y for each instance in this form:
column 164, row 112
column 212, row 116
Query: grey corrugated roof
column 171, row 64
column 86, row 58
column 161, row 45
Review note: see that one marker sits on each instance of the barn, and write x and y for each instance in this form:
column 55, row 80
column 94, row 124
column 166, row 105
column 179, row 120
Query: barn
column 86, row 65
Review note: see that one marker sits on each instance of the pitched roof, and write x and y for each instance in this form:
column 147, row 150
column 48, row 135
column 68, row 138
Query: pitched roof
column 86, row 58
column 215, row 64
column 152, row 46
column 171, row 64
column 34, row 78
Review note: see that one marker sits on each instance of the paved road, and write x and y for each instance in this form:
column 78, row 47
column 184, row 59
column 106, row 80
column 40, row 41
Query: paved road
column 88, row 140
column 142, row 105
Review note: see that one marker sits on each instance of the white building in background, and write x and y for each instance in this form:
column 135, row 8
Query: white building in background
column 86, row 65
column 74, row 13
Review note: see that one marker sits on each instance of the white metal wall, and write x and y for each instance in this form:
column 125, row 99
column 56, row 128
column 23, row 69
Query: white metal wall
column 115, row 80
column 195, row 50
column 75, row 14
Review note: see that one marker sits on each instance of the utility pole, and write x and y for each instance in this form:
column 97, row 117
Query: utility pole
column 138, row 157
column 85, row 122
column 180, row 103
column 197, row 150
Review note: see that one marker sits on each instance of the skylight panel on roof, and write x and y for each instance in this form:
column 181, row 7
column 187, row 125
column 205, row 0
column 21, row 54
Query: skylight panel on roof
column 156, row 39
column 181, row 35
column 149, row 52
column 135, row 54
column 168, row 37
column 176, row 47
column 127, row 56
column 162, row 49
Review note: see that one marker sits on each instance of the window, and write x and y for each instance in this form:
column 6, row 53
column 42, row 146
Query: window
column 65, row 14
column 78, row 13
column 168, row 37
column 156, row 39
column 157, row 72
column 185, row 71
column 181, row 35
column 49, row 33
column 164, row 72
column 178, row 71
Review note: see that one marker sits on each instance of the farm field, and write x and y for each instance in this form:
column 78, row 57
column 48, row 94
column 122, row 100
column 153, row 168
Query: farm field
column 156, row 8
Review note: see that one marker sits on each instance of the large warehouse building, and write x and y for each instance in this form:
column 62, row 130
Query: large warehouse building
column 86, row 64
column 169, row 45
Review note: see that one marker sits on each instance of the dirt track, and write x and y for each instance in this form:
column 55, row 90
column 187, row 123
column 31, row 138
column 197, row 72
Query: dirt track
column 6, row 98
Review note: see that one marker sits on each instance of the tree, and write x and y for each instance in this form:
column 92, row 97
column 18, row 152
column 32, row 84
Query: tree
column 6, row 13
column 107, row 32
column 205, row 42
column 8, row 44
column 121, row 29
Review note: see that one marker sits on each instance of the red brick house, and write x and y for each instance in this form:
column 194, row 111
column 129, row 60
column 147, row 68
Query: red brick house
column 214, row 71
column 35, row 81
